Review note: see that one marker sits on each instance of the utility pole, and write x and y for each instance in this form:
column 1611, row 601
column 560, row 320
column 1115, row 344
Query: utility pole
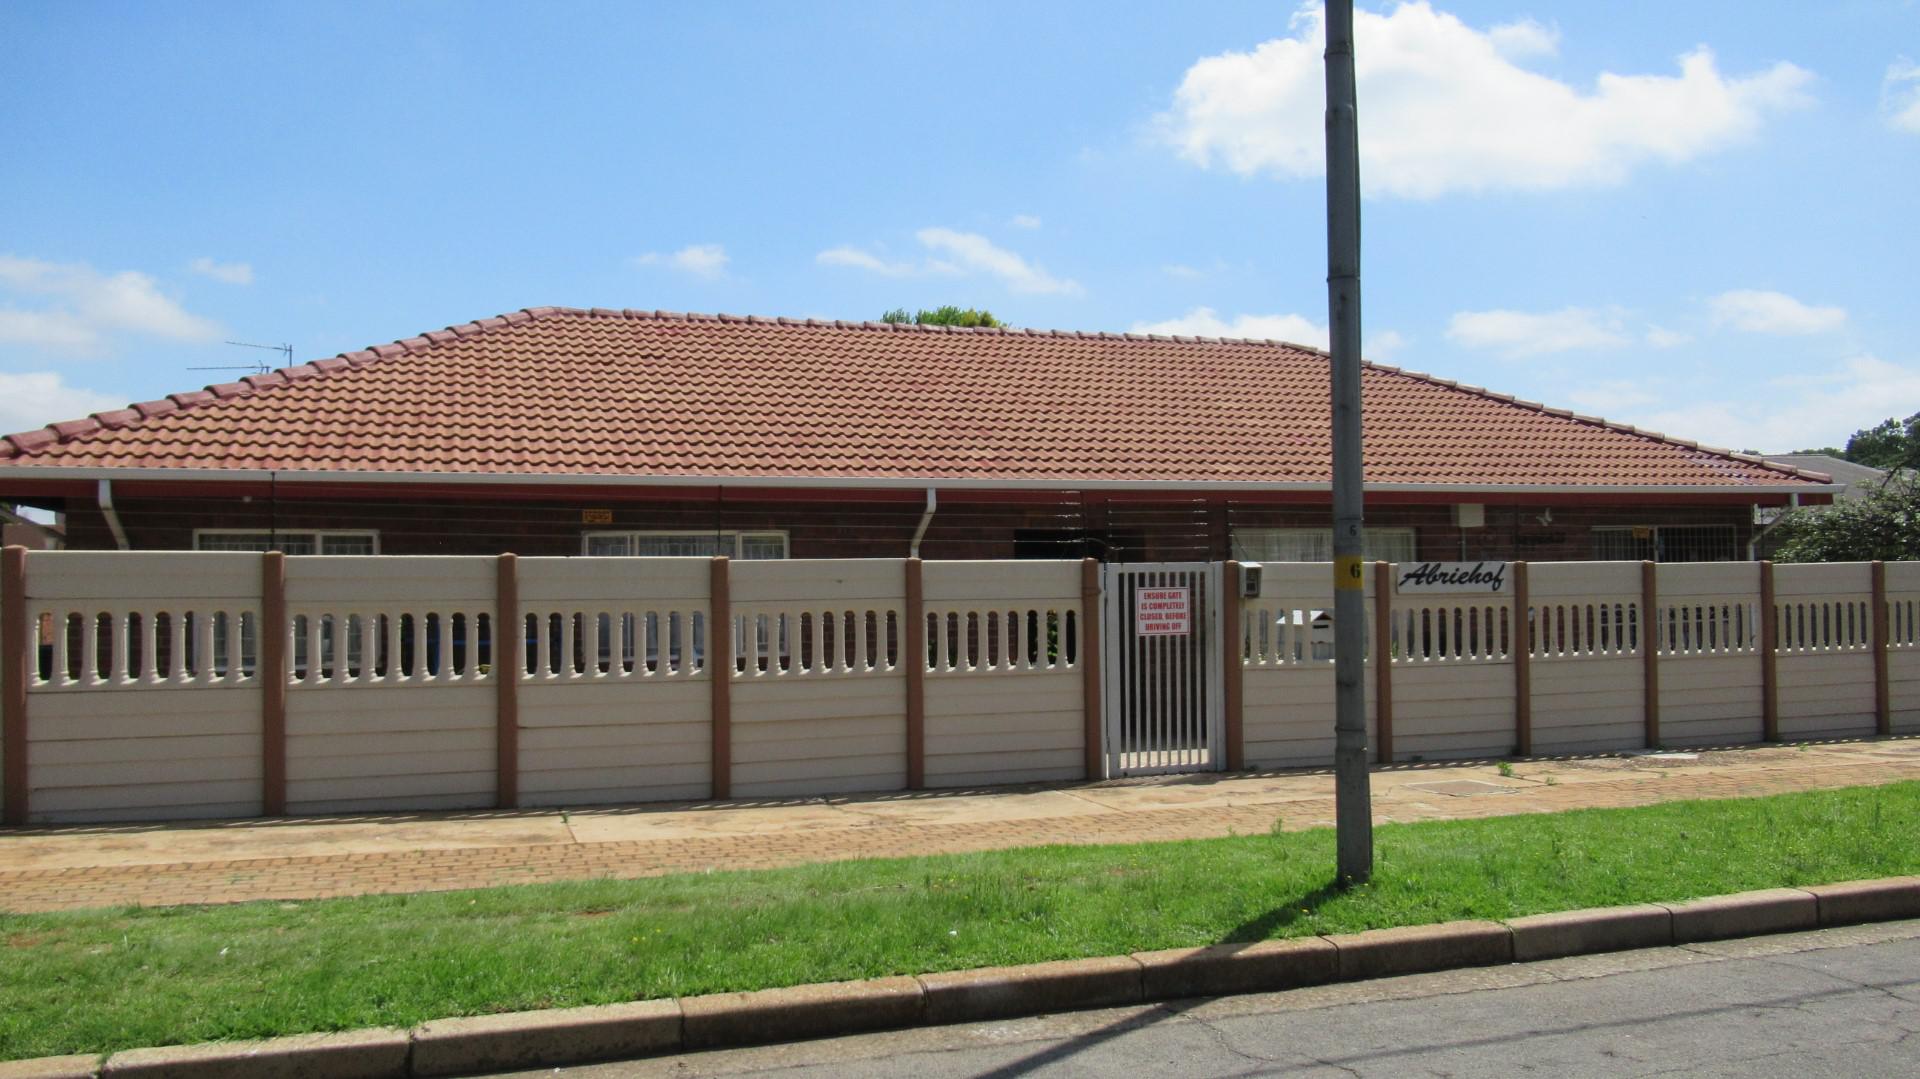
column 1353, row 809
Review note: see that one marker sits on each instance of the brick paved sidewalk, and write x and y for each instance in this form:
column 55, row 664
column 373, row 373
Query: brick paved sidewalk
column 223, row 862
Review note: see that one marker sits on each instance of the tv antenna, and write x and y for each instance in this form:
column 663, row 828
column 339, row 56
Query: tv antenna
column 258, row 367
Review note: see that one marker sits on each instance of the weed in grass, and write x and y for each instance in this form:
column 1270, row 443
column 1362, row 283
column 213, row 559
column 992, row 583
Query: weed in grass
column 1506, row 769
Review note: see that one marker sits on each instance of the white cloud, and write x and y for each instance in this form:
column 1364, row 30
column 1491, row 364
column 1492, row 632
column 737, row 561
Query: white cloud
column 36, row 398
column 1661, row 337
column 706, row 261
column 1445, row 108
column 1900, row 95
column 849, row 256
column 1205, row 322
column 972, row 252
column 1610, row 398
column 231, row 273
column 47, row 329
column 85, row 305
column 1383, row 345
column 1517, row 40
column 1518, row 334
column 958, row 253
column 1026, row 221
column 1181, row 270
column 1757, row 311
column 1794, row 413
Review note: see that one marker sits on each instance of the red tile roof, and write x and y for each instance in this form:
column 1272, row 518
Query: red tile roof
column 563, row 391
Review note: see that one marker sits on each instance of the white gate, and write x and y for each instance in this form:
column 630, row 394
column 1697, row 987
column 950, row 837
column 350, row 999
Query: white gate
column 1162, row 661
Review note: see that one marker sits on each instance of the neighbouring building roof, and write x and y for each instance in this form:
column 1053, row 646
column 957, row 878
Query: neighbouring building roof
column 551, row 392
column 1856, row 477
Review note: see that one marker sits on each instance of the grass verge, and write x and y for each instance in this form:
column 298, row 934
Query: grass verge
column 99, row 980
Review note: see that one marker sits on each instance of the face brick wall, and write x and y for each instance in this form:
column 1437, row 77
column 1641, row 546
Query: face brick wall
column 1067, row 526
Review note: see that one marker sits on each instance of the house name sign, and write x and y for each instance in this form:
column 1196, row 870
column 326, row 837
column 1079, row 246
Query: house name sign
column 1427, row 578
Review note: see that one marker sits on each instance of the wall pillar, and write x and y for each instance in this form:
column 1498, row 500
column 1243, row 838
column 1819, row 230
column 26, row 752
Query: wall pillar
column 1522, row 651
column 17, row 652
column 1231, row 699
column 1383, row 658
column 1769, row 658
column 1882, row 691
column 1650, row 650
column 1089, row 659
column 273, row 683
column 913, row 660
column 720, row 674
column 509, row 656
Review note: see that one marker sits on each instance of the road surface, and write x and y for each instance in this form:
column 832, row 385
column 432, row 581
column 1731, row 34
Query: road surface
column 1837, row 1002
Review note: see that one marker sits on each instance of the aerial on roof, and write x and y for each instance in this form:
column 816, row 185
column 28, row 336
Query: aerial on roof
column 548, row 392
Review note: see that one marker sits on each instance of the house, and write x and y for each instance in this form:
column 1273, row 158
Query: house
column 1853, row 480
column 561, row 431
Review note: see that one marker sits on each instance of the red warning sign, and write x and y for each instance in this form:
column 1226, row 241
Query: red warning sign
column 1163, row 612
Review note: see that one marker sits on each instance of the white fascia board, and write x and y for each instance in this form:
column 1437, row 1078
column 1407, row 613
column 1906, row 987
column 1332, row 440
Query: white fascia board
column 869, row 483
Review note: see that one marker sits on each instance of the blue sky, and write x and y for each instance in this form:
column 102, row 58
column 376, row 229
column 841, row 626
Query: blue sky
column 1695, row 217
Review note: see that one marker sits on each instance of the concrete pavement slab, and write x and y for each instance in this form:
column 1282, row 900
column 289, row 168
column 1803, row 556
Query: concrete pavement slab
column 315, row 837
column 626, row 824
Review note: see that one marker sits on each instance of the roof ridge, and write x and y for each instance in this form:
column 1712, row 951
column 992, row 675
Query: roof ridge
column 24, row 443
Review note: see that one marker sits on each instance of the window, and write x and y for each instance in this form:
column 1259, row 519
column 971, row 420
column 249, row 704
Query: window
column 1316, row 544
column 290, row 541
column 1666, row 543
column 742, row 545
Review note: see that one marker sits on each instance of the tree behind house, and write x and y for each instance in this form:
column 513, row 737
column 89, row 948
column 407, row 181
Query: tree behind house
column 1884, row 526
column 943, row 316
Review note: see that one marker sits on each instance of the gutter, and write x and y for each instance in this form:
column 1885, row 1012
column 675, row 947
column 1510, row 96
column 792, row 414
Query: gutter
column 870, row 483
column 105, row 498
column 933, row 502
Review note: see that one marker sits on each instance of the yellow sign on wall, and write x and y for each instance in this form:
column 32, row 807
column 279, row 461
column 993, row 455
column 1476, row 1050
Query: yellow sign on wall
column 596, row 517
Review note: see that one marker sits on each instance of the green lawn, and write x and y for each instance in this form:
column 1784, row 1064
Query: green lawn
column 108, row 979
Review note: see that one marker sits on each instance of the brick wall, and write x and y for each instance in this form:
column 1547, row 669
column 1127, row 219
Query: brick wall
column 1167, row 529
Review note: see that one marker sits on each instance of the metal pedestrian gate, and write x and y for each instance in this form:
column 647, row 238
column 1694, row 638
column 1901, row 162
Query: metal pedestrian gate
column 1161, row 657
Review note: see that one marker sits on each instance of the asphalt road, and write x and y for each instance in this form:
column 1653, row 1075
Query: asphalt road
column 1839, row 1002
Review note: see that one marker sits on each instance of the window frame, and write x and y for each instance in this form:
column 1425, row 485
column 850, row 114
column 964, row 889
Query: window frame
column 1660, row 533
column 739, row 537
column 318, row 535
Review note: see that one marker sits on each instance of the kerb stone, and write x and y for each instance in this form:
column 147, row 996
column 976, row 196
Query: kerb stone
column 489, row 1043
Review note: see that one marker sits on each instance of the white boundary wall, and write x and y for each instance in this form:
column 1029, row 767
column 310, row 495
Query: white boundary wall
column 1286, row 656
column 819, row 704
column 1588, row 676
column 1005, row 702
column 145, row 698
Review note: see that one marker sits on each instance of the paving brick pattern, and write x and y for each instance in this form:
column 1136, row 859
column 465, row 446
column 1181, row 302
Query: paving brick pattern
column 1118, row 813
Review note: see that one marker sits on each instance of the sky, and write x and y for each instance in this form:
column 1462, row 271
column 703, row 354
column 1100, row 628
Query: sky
column 1697, row 218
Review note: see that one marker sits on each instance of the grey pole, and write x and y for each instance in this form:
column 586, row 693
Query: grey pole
column 1353, row 811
